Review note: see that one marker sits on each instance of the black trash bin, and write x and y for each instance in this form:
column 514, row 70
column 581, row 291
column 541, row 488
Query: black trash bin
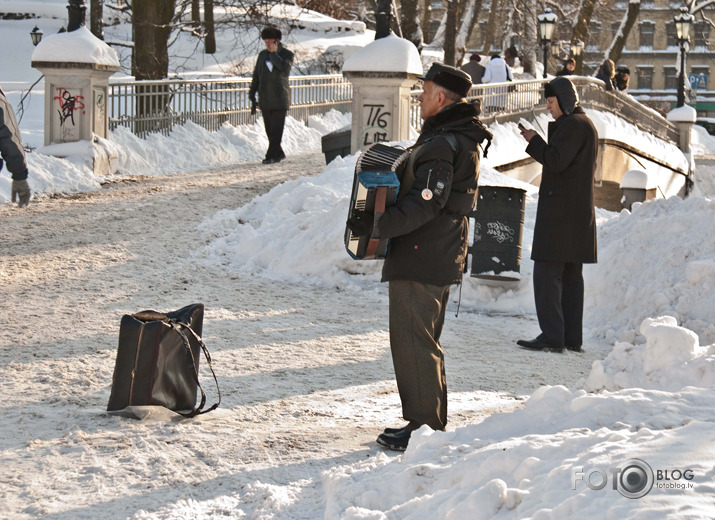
column 498, row 228
column 336, row 144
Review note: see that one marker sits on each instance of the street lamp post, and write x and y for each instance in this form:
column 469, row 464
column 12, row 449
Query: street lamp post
column 76, row 11
column 547, row 22
column 683, row 25
column 36, row 35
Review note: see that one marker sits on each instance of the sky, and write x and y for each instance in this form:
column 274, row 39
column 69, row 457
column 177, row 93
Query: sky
column 646, row 404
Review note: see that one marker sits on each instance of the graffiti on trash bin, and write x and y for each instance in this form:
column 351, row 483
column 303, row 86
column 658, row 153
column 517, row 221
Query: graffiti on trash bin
column 500, row 231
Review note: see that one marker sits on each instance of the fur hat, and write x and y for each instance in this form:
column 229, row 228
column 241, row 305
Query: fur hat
column 564, row 91
column 450, row 78
column 475, row 57
column 271, row 33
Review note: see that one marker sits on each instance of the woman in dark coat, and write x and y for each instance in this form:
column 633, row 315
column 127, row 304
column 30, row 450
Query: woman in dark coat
column 565, row 229
column 270, row 81
column 606, row 73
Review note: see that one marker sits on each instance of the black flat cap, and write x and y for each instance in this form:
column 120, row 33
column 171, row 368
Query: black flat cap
column 450, row 78
column 271, row 33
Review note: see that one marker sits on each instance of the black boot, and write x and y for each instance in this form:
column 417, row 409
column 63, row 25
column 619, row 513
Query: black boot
column 396, row 439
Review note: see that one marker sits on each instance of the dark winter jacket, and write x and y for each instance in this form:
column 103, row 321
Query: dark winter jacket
column 10, row 145
column 429, row 237
column 603, row 75
column 565, row 229
column 475, row 71
column 272, row 85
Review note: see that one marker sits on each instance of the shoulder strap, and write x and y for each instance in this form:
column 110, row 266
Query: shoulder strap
column 180, row 327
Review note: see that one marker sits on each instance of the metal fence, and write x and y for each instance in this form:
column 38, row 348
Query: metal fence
column 515, row 99
column 157, row 106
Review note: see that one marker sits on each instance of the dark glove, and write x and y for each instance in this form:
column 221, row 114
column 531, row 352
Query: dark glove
column 360, row 223
column 254, row 105
column 21, row 190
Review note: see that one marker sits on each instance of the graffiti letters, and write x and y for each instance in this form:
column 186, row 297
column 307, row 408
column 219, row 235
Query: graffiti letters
column 377, row 121
column 68, row 104
column 500, row 231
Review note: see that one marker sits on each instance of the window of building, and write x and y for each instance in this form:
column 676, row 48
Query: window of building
column 702, row 33
column 671, row 35
column 671, row 78
column 645, row 77
column 647, row 33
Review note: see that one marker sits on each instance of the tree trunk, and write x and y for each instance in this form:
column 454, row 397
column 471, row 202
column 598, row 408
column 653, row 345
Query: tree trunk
column 619, row 42
column 410, row 21
column 96, row 20
column 210, row 41
column 469, row 21
column 489, row 36
column 196, row 13
column 580, row 32
column 531, row 38
column 151, row 23
column 426, row 20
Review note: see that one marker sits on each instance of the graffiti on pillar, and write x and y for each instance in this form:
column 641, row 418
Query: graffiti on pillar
column 68, row 104
column 377, row 122
column 100, row 113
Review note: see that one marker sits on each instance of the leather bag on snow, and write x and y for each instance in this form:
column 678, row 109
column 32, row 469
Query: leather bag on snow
column 158, row 361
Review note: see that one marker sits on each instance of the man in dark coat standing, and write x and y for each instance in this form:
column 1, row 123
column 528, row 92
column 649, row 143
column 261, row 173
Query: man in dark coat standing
column 565, row 230
column 270, row 81
column 428, row 229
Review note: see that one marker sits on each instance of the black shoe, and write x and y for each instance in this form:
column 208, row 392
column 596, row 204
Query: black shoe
column 269, row 161
column 412, row 426
column 535, row 344
column 574, row 348
column 395, row 441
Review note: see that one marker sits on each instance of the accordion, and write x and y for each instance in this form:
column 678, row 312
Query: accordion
column 375, row 187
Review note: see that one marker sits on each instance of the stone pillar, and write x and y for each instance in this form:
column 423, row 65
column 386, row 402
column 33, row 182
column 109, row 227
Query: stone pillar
column 383, row 74
column 684, row 118
column 77, row 66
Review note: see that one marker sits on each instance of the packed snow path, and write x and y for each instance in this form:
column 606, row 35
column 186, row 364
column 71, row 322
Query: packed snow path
column 305, row 372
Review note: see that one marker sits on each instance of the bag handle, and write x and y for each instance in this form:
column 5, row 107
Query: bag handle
column 178, row 326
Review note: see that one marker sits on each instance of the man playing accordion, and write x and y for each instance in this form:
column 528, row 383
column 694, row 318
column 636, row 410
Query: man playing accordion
column 428, row 231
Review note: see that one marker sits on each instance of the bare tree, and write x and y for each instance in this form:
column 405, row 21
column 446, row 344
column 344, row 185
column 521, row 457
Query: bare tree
column 491, row 23
column 580, row 31
column 210, row 39
column 410, row 22
column 96, row 21
column 614, row 51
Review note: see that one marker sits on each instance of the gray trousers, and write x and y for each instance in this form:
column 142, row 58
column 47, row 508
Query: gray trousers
column 416, row 318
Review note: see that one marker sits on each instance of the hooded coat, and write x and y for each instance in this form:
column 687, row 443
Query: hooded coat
column 565, row 229
column 271, row 81
column 429, row 237
column 10, row 144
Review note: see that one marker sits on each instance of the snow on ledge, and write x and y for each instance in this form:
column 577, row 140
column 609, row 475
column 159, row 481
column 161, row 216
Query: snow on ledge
column 388, row 54
column 684, row 114
column 80, row 46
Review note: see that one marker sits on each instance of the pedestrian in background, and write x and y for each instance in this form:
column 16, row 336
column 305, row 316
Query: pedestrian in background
column 606, row 73
column 496, row 71
column 568, row 68
column 474, row 68
column 622, row 78
column 565, row 229
column 13, row 154
column 270, row 82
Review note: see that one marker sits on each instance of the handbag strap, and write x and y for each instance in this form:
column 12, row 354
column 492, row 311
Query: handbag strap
column 179, row 327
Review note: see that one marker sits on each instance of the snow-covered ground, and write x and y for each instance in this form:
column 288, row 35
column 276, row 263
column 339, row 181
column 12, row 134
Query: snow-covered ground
column 298, row 333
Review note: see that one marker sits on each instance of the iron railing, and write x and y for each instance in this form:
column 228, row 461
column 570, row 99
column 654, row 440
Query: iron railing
column 515, row 99
column 158, row 106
